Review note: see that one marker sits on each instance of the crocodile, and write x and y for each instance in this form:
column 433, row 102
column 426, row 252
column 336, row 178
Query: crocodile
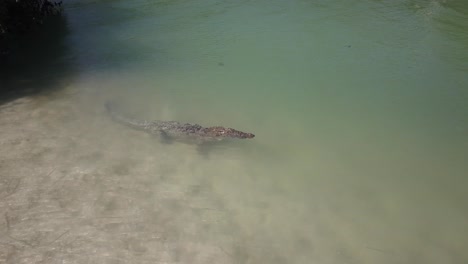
column 176, row 131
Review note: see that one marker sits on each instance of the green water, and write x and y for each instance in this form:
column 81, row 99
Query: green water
column 359, row 110
column 359, row 107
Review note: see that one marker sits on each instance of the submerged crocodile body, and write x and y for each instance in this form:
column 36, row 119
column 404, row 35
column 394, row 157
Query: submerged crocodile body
column 173, row 130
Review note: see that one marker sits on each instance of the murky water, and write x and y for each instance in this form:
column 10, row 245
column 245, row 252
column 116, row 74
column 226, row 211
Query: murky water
column 360, row 156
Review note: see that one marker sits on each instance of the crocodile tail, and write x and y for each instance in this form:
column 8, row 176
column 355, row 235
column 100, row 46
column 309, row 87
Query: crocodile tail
column 110, row 107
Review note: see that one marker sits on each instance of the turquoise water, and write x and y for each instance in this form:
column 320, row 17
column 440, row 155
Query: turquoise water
column 359, row 109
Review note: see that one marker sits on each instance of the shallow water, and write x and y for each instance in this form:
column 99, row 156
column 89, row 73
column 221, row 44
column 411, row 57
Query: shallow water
column 360, row 115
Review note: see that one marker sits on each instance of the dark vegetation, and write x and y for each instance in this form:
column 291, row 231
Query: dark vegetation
column 32, row 47
column 22, row 16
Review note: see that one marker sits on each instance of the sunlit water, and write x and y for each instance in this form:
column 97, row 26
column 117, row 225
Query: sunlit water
column 359, row 110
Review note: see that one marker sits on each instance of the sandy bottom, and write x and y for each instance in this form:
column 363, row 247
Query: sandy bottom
column 76, row 187
column 73, row 191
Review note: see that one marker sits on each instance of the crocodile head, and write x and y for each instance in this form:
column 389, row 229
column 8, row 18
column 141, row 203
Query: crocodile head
column 226, row 132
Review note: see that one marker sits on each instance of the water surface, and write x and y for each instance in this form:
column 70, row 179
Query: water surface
column 360, row 115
